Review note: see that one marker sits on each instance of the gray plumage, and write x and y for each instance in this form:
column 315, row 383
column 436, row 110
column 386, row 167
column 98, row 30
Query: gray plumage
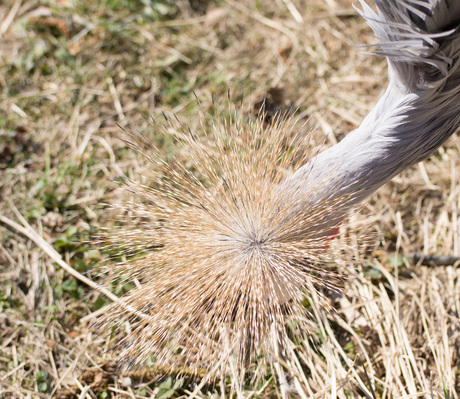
column 419, row 111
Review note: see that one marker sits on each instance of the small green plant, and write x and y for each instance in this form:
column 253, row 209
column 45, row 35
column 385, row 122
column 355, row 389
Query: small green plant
column 43, row 382
column 169, row 388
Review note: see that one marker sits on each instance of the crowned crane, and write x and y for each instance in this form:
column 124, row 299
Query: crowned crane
column 224, row 247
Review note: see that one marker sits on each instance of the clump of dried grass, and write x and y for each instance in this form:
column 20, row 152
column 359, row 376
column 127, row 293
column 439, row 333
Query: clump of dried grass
column 219, row 245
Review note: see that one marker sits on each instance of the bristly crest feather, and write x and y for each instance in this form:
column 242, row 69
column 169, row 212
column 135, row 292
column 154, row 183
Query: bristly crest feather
column 220, row 244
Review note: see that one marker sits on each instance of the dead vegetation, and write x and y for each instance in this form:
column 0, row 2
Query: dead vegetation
column 70, row 71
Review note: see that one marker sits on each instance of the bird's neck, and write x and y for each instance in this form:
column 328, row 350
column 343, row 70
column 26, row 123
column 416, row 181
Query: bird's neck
column 403, row 128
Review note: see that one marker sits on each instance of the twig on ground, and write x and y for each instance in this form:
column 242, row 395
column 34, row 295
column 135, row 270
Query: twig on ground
column 30, row 233
column 434, row 260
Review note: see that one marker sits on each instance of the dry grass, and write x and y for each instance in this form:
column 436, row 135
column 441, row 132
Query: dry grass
column 70, row 72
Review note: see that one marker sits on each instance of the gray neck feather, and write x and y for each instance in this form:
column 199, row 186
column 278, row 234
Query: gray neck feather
column 419, row 111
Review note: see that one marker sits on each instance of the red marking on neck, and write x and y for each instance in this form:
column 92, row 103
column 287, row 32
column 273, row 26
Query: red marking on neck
column 332, row 234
